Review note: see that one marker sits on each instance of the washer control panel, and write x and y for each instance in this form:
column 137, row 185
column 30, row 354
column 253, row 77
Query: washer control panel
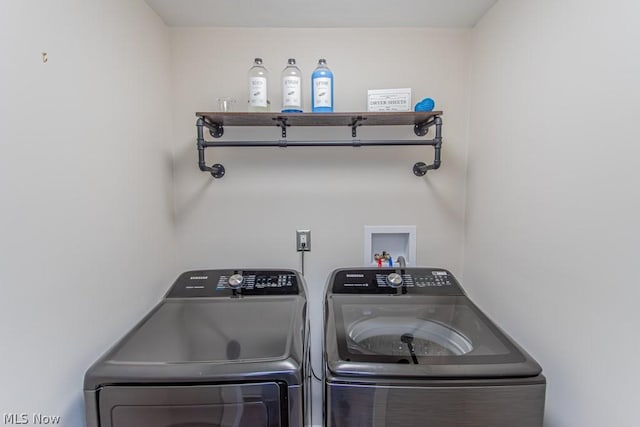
column 225, row 283
column 422, row 281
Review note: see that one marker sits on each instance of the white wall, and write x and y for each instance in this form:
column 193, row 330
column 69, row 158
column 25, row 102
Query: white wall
column 87, row 241
column 552, row 197
column 86, row 236
column 249, row 217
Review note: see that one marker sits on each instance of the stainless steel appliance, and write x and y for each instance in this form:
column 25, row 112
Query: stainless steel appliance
column 407, row 348
column 224, row 348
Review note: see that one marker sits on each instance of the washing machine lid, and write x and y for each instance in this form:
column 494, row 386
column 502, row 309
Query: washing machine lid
column 229, row 330
column 207, row 339
column 440, row 336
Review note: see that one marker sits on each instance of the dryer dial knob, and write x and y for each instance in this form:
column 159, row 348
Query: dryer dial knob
column 394, row 280
column 235, row 281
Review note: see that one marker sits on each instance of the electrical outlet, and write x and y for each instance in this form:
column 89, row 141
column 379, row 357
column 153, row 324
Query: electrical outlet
column 303, row 240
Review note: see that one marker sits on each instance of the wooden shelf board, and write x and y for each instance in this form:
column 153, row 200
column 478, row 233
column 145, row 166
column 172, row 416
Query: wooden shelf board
column 319, row 119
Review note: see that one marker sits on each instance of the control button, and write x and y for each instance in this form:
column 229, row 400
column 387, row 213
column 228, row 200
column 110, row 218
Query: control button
column 394, row 280
column 235, row 281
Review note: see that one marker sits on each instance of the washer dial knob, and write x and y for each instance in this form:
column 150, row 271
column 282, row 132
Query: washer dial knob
column 394, row 280
column 235, row 281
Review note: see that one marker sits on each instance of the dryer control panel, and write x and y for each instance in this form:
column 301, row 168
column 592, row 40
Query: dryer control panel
column 381, row 281
column 225, row 283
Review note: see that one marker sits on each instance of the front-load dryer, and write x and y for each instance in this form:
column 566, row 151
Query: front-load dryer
column 408, row 348
column 224, row 348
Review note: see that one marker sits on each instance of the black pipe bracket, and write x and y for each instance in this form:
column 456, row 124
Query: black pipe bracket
column 216, row 130
column 355, row 122
column 282, row 123
column 421, row 129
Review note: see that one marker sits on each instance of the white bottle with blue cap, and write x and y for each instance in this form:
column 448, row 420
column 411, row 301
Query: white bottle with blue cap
column 291, row 88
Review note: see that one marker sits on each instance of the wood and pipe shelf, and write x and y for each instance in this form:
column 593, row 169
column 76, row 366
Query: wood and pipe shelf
column 421, row 122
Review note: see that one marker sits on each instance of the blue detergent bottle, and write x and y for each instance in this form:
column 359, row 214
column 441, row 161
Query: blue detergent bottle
column 322, row 88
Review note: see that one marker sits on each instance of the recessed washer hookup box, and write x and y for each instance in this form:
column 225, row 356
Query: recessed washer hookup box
column 389, row 100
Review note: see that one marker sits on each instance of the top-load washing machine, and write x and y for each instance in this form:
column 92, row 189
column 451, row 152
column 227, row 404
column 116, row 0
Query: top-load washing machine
column 408, row 348
column 224, row 348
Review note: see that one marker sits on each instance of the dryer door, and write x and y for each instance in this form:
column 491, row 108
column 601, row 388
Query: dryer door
column 235, row 405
